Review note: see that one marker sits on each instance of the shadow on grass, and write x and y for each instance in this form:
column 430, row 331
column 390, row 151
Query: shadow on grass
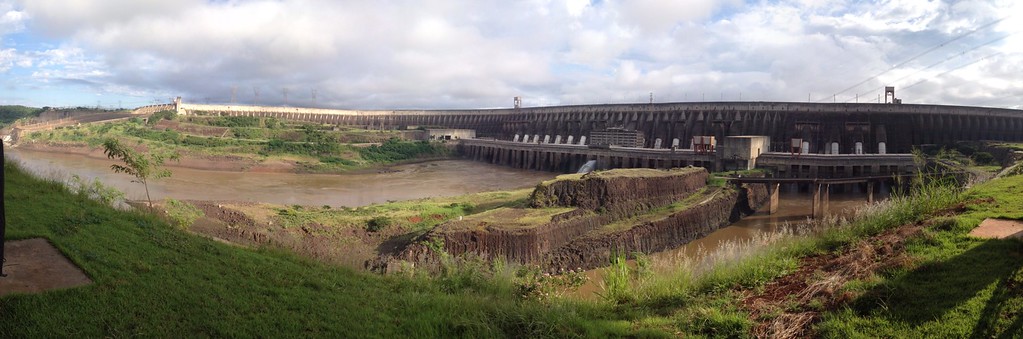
column 934, row 289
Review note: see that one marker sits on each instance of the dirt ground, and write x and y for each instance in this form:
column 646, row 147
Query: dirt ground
column 34, row 265
column 193, row 161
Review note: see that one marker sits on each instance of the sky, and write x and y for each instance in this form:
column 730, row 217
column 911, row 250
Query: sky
column 397, row 54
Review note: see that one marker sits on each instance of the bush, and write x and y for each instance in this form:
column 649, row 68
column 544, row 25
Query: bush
column 378, row 223
column 162, row 115
column 983, row 158
column 395, row 150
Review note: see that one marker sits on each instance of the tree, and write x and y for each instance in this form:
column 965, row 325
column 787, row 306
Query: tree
column 143, row 168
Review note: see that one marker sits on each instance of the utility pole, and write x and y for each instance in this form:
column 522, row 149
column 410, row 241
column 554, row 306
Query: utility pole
column 285, row 90
column 255, row 95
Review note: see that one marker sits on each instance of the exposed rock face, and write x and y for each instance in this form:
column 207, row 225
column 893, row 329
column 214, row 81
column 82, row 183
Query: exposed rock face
column 570, row 239
column 620, row 195
column 672, row 231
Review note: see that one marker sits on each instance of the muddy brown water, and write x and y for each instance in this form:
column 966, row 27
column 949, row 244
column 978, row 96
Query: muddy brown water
column 403, row 182
column 794, row 209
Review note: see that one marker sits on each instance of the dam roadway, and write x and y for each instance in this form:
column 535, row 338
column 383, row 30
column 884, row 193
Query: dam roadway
column 878, row 128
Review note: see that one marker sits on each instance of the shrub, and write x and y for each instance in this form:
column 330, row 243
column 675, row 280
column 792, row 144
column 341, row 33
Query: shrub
column 378, row 223
column 983, row 158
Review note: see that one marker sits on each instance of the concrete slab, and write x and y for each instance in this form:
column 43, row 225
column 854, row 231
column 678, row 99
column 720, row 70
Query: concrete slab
column 34, row 265
column 998, row 229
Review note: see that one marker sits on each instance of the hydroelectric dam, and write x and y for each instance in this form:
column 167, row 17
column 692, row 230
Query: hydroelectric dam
column 795, row 139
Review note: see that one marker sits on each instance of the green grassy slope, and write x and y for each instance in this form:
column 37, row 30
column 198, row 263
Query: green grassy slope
column 960, row 286
column 153, row 280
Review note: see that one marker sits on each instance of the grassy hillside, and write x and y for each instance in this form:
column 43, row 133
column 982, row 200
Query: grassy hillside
column 154, row 280
column 11, row 113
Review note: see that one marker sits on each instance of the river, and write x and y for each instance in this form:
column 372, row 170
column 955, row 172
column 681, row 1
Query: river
column 401, row 182
column 794, row 209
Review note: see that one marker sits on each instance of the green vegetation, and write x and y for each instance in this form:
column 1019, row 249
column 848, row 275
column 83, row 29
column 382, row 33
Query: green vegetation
column 143, row 167
column 182, row 213
column 312, row 147
column 10, row 114
column 410, row 216
column 153, row 279
column 959, row 286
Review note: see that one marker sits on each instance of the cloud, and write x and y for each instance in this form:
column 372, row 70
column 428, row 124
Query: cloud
column 372, row 54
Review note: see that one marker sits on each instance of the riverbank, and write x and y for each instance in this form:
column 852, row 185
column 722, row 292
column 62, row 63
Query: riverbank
column 206, row 162
column 246, row 144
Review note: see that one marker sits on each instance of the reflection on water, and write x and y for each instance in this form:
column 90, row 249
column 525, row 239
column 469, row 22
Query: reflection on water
column 793, row 209
column 413, row 181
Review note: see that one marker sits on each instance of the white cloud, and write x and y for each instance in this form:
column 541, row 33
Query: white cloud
column 479, row 54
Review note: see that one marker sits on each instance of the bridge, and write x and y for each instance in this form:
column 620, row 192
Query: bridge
column 821, row 188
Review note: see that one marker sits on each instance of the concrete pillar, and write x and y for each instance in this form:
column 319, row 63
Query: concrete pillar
column 881, row 149
column 547, row 139
column 657, row 143
column 569, row 140
column 806, row 148
column 536, row 138
column 557, row 139
column 516, row 138
column 772, row 202
column 815, row 202
column 826, row 203
column 674, row 143
column 525, row 138
column 870, row 192
column 859, row 148
column 582, row 140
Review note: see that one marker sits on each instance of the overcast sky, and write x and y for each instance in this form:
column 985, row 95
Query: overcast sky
column 471, row 54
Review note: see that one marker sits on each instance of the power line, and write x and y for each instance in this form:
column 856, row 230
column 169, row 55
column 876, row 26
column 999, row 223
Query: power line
column 918, row 56
column 960, row 54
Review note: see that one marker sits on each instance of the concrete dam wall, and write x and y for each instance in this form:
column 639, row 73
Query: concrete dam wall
column 899, row 126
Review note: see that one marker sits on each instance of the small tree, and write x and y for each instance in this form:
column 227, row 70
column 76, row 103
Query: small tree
column 142, row 167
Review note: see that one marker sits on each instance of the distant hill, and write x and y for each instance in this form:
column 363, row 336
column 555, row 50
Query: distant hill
column 8, row 114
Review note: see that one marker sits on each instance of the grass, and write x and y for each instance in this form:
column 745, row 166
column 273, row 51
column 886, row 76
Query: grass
column 412, row 215
column 960, row 287
column 151, row 279
column 508, row 219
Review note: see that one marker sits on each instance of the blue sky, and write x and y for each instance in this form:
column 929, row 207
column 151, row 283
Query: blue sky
column 469, row 54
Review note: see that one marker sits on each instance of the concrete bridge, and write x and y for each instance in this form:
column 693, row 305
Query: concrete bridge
column 826, row 127
column 821, row 188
